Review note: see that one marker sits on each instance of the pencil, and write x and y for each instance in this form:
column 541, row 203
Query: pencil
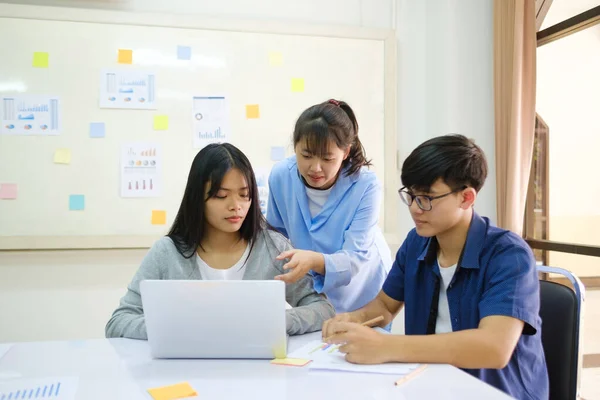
column 370, row 323
column 373, row 321
column 411, row 375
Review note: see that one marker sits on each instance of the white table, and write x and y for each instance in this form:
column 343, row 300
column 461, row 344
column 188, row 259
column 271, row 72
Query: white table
column 123, row 369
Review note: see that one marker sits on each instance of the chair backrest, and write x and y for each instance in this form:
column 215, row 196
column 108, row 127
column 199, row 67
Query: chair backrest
column 560, row 311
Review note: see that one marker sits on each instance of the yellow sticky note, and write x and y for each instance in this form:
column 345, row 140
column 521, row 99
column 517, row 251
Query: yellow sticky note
column 125, row 56
column 161, row 122
column 275, row 59
column 292, row 362
column 297, row 84
column 252, row 111
column 159, row 217
column 171, row 392
column 40, row 59
column 62, row 156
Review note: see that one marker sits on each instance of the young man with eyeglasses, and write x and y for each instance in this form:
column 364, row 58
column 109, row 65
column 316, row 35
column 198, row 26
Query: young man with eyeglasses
column 470, row 290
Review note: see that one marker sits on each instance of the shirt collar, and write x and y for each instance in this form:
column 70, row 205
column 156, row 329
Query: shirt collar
column 472, row 249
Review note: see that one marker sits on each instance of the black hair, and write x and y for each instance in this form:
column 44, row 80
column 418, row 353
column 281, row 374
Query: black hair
column 335, row 120
column 209, row 167
column 457, row 160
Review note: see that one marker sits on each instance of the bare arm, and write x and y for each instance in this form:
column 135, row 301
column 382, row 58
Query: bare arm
column 490, row 345
column 381, row 305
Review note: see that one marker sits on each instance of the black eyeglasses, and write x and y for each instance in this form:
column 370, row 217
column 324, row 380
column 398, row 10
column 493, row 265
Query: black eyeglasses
column 423, row 201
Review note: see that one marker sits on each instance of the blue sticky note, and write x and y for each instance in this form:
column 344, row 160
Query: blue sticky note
column 76, row 202
column 97, row 130
column 184, row 53
column 277, row 153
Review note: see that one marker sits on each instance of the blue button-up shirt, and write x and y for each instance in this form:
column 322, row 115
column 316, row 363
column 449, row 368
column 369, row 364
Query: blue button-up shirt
column 496, row 275
column 345, row 231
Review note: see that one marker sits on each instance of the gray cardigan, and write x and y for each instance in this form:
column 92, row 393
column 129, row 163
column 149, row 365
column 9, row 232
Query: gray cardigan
column 163, row 261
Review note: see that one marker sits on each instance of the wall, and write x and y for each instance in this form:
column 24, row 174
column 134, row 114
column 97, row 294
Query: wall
column 445, row 80
column 57, row 295
column 363, row 13
column 444, row 85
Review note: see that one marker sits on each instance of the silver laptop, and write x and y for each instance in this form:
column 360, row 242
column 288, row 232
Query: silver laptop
column 215, row 319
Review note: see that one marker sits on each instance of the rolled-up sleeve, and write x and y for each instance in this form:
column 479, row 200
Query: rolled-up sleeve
column 394, row 283
column 512, row 288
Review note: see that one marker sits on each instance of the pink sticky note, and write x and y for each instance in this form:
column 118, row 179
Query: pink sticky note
column 8, row 191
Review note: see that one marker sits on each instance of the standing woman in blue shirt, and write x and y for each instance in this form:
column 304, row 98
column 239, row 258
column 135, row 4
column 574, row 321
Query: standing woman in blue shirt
column 327, row 202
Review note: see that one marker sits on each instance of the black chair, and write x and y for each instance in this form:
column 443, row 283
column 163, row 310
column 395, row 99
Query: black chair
column 561, row 311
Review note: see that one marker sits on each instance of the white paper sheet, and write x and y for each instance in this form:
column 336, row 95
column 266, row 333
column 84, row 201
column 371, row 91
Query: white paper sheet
column 4, row 348
column 30, row 115
column 211, row 120
column 134, row 90
column 327, row 357
column 141, row 170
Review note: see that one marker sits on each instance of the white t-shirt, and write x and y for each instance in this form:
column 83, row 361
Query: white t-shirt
column 443, row 323
column 317, row 199
column 233, row 273
column 236, row 272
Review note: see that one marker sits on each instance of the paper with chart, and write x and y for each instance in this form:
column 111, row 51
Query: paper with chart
column 141, row 166
column 328, row 357
column 211, row 120
column 262, row 182
column 128, row 89
column 59, row 388
column 30, row 115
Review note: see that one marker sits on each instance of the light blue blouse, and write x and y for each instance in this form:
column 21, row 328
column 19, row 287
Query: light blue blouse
column 357, row 258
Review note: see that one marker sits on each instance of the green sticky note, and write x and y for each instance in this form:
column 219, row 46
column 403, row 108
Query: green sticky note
column 40, row 59
column 297, row 85
column 62, row 156
column 275, row 59
column 161, row 122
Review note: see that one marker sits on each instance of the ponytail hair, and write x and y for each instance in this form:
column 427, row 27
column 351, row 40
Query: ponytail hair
column 332, row 120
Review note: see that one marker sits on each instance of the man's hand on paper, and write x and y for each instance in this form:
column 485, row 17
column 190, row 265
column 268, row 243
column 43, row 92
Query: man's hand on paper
column 361, row 344
column 328, row 325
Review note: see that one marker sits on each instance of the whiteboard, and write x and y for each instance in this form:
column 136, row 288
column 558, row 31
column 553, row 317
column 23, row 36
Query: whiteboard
column 232, row 60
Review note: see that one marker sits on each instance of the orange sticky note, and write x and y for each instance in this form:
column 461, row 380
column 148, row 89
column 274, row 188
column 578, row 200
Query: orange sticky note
column 252, row 111
column 62, row 156
column 297, row 85
column 159, row 217
column 161, row 122
column 40, row 59
column 171, row 392
column 125, row 56
column 290, row 362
